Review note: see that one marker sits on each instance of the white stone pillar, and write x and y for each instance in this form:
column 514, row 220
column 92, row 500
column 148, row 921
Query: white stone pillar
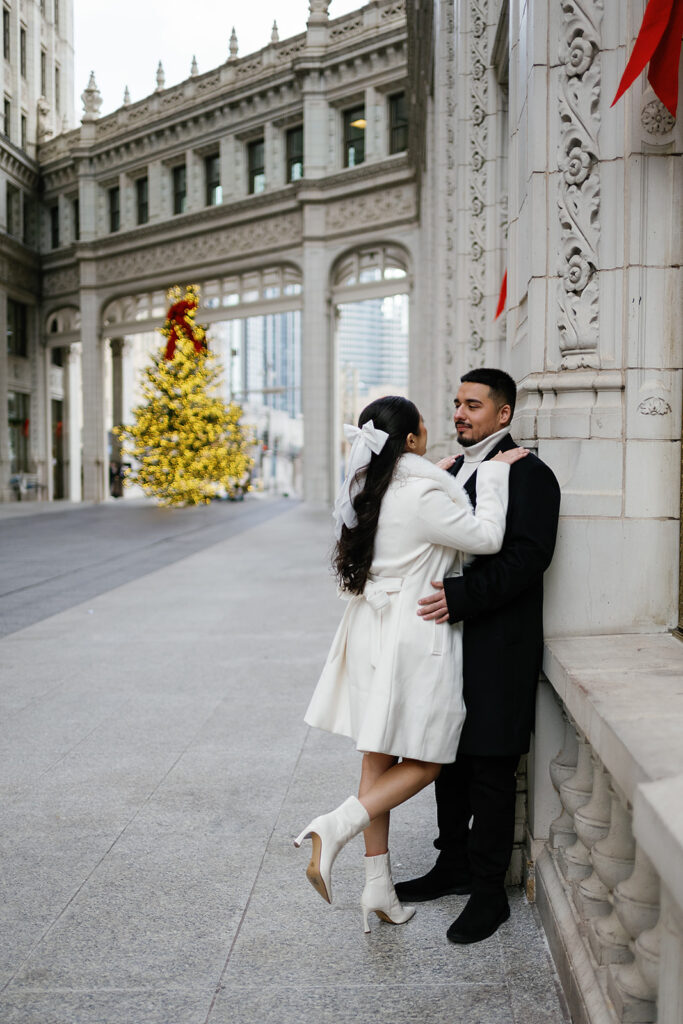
column 316, row 116
column 95, row 464
column 72, row 420
column 318, row 390
column 195, row 180
column 374, row 107
column 157, row 186
column 274, row 164
column 227, row 159
column 39, row 439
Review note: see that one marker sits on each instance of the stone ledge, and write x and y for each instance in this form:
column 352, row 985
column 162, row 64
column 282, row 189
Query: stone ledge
column 624, row 693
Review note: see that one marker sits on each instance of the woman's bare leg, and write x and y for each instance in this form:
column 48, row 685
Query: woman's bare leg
column 386, row 784
column 376, row 835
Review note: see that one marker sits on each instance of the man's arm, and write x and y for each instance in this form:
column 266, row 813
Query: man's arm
column 495, row 580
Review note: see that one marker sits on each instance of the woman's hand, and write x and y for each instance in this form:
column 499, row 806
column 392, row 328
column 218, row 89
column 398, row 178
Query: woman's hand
column 446, row 462
column 513, row 455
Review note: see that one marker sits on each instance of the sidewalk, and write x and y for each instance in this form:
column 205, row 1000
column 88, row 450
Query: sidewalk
column 155, row 768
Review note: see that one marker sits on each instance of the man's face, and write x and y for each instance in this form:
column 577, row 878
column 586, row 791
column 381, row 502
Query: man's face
column 477, row 415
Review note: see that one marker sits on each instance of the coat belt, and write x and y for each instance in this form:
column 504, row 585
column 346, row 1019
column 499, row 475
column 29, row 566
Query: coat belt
column 377, row 593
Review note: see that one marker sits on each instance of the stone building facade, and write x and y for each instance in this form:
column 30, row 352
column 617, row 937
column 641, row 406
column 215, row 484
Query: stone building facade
column 262, row 180
column 525, row 166
column 37, row 80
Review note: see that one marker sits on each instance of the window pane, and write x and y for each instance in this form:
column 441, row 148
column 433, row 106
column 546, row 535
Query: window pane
column 142, row 201
column 19, row 428
column 54, row 227
column 354, row 136
column 114, row 208
column 295, row 154
column 214, row 190
column 17, row 333
column 179, row 189
column 398, row 121
column 257, row 171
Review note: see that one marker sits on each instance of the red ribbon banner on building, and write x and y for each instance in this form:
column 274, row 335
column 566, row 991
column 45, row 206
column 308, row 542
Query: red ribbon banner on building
column 659, row 43
column 503, row 296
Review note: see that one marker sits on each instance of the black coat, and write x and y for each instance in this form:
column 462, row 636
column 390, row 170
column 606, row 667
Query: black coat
column 499, row 599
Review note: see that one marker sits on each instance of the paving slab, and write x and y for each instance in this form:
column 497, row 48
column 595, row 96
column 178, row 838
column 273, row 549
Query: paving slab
column 154, row 769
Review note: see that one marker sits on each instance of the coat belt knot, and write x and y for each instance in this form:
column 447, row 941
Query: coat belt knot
column 377, row 593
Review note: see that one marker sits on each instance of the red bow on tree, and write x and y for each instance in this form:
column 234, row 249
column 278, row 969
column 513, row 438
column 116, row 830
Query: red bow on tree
column 659, row 42
column 178, row 322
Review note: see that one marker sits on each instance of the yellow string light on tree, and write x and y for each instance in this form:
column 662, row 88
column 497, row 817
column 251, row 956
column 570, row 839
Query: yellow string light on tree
column 186, row 443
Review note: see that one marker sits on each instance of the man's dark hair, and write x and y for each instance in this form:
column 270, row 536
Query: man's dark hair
column 500, row 384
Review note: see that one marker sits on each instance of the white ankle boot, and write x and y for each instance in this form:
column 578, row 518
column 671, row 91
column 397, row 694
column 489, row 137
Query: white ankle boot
column 329, row 833
column 379, row 893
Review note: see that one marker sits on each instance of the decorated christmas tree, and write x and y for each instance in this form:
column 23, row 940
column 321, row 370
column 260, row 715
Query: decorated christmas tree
column 186, row 444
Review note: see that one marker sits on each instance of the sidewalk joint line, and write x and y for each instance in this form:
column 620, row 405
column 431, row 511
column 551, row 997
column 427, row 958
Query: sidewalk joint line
column 219, row 984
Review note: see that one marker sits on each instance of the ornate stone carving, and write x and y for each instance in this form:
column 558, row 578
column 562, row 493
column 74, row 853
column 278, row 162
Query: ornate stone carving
column 91, row 99
column 371, row 209
column 579, row 183
column 478, row 90
column 318, row 12
column 44, row 131
column 448, row 132
column 269, row 233
column 61, row 282
column 655, row 405
column 656, row 119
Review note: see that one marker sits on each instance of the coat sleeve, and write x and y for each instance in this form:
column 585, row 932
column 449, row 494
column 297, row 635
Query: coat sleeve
column 491, row 583
column 453, row 524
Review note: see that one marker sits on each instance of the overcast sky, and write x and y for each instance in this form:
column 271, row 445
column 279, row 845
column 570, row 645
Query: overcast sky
column 123, row 41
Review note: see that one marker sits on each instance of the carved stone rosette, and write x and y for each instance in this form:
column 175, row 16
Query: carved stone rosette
column 579, row 184
column 450, row 129
column 478, row 175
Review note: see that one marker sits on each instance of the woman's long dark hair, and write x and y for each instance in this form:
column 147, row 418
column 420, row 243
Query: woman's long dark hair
column 352, row 555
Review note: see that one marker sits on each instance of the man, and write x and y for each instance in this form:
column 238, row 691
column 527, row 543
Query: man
column 499, row 600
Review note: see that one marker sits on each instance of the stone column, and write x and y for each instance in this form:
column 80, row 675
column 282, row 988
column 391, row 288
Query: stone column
column 39, row 441
column 562, row 768
column 118, row 346
column 195, row 180
column 228, row 173
column 318, row 391
column 374, row 105
column 5, row 491
column 274, row 166
column 156, row 186
column 72, row 420
column 95, row 464
column 316, row 116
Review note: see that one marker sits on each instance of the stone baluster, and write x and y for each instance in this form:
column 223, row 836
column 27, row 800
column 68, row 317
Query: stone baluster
column 562, row 767
column 612, row 859
column 633, row 987
column 635, row 904
column 591, row 822
column 576, row 791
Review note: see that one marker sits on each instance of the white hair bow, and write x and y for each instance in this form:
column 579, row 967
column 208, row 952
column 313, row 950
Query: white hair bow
column 365, row 441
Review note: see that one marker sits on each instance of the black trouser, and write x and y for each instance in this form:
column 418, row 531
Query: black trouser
column 484, row 789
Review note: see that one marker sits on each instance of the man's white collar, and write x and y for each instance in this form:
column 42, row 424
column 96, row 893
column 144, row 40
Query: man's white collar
column 478, row 452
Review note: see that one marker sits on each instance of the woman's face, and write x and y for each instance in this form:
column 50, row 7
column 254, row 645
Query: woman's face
column 417, row 443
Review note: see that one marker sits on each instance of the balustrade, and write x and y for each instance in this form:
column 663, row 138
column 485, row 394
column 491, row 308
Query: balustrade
column 600, row 891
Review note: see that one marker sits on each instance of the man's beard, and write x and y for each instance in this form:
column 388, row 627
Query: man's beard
column 467, row 442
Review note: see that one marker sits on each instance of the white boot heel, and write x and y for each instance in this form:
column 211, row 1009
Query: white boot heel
column 379, row 894
column 329, row 833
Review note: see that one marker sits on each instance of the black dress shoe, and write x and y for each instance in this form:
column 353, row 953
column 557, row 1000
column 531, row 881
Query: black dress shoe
column 483, row 915
column 436, row 883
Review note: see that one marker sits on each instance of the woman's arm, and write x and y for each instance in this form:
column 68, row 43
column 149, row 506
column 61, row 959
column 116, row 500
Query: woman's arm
column 453, row 524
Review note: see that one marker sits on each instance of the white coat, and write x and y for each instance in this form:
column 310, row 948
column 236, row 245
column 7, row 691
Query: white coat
column 393, row 681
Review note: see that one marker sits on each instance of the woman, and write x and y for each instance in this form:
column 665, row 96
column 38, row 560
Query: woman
column 392, row 681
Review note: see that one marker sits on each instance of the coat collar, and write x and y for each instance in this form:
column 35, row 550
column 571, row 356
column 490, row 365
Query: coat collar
column 470, row 485
column 410, row 465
